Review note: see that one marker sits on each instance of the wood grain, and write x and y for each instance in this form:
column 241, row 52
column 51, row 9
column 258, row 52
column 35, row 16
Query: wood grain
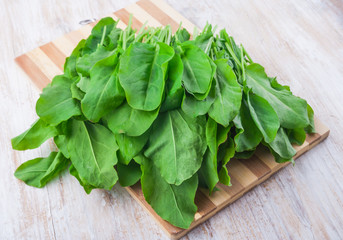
column 301, row 42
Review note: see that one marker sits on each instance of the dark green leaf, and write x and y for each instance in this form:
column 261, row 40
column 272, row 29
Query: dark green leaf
column 129, row 174
column 282, row 146
column 228, row 94
column 247, row 134
column 92, row 149
column 104, row 92
column 174, row 90
column 197, row 73
column 264, row 116
column 130, row 121
column 176, row 145
column 297, row 136
column 129, row 147
column 311, row 127
column 142, row 74
column 173, row 203
column 193, row 107
column 291, row 110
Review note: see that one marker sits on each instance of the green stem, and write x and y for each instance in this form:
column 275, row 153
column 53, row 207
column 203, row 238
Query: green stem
column 208, row 46
column 195, row 32
column 170, row 34
column 242, row 65
column 103, row 36
column 233, row 54
column 247, row 55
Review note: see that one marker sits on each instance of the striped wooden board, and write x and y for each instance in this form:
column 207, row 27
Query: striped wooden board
column 43, row 63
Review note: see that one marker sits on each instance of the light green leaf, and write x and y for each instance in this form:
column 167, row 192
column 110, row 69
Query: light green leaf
column 86, row 62
column 39, row 171
column 61, row 143
column 76, row 92
column 32, row 138
column 70, row 63
column 86, row 186
column 55, row 103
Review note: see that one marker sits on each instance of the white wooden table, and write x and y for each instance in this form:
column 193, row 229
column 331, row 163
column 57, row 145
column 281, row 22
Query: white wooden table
column 299, row 41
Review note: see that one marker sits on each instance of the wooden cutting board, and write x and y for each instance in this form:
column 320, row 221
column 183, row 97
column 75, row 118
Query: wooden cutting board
column 44, row 62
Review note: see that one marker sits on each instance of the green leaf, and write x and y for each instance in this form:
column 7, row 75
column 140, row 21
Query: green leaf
column 70, row 63
column 228, row 94
column 291, row 110
column 205, row 39
column 94, row 39
column 311, row 127
column 86, row 62
column 297, row 136
column 182, row 35
column 225, row 152
column 244, row 155
column 222, row 134
column 55, row 103
column 142, row 74
column 92, row 149
column 104, row 92
column 39, row 171
column 281, row 146
column 172, row 203
column 264, row 116
column 208, row 170
column 130, row 121
column 247, row 134
column 129, row 147
column 174, row 90
column 129, row 174
column 76, row 92
column 32, row 138
column 197, row 73
column 83, row 84
column 193, row 107
column 86, row 186
column 176, row 145
column 61, row 143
